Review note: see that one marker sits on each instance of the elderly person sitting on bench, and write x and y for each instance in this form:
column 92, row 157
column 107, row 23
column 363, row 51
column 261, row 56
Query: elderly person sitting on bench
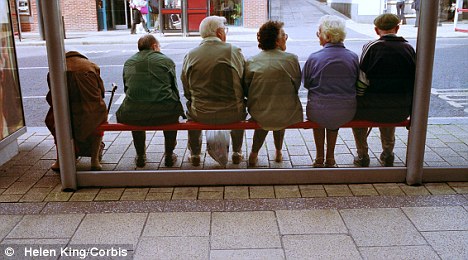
column 330, row 75
column 152, row 97
column 386, row 85
column 212, row 78
column 273, row 78
column 87, row 108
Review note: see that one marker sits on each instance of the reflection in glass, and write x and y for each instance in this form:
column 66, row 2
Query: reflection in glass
column 11, row 109
column 172, row 22
column 172, row 4
column 231, row 9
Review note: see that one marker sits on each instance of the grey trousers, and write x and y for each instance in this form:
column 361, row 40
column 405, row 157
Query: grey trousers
column 387, row 137
column 259, row 139
column 195, row 141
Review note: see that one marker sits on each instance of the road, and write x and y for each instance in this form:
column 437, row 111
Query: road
column 449, row 88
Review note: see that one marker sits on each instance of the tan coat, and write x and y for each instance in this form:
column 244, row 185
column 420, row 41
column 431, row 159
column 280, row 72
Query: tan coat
column 212, row 78
column 86, row 99
column 273, row 78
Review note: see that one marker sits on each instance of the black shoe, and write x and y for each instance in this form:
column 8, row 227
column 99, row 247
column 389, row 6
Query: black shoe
column 362, row 161
column 140, row 161
column 237, row 157
column 195, row 160
column 169, row 161
column 387, row 159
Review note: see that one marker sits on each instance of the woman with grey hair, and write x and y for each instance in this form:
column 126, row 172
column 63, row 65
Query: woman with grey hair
column 330, row 75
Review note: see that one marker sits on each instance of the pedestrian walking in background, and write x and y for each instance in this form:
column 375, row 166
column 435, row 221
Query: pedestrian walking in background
column 330, row 76
column 272, row 79
column 385, row 87
column 154, row 10
column 400, row 7
column 137, row 6
column 416, row 6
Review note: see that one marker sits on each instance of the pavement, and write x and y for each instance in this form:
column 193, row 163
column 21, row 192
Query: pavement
column 340, row 221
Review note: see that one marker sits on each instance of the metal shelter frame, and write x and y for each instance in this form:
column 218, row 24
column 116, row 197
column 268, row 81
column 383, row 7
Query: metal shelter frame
column 413, row 174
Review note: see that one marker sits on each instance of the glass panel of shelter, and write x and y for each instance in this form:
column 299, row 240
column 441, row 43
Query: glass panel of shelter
column 231, row 9
column 172, row 16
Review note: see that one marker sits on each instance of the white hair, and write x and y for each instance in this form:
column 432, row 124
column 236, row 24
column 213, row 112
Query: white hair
column 332, row 28
column 210, row 24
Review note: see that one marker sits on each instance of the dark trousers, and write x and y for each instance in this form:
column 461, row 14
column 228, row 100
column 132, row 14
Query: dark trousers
column 400, row 8
column 139, row 141
column 259, row 139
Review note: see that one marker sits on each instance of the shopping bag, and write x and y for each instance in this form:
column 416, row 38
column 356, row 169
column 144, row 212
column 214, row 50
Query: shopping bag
column 217, row 145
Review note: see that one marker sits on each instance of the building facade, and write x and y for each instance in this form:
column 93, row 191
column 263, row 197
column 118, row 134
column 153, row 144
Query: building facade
column 97, row 15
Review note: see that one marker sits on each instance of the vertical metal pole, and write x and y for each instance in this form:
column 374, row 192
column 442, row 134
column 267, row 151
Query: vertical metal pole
column 57, row 71
column 424, row 64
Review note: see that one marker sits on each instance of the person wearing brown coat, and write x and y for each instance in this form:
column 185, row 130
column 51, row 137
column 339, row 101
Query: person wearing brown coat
column 87, row 107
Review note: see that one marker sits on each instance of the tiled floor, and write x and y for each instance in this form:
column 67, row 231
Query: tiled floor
column 353, row 221
column 439, row 232
column 27, row 177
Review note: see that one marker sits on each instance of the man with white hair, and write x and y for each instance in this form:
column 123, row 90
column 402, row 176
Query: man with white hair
column 212, row 75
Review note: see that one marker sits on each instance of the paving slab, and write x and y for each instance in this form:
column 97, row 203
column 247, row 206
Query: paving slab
column 323, row 246
column 243, row 230
column 251, row 254
column 46, row 226
column 182, row 224
column 399, row 253
column 7, row 223
column 115, row 228
column 449, row 244
column 381, row 227
column 173, row 248
column 300, row 222
column 438, row 218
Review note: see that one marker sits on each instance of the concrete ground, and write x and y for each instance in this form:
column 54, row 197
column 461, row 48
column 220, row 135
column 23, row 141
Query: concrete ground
column 354, row 221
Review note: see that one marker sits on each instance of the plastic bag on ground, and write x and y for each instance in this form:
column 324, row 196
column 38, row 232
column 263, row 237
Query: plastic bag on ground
column 217, row 145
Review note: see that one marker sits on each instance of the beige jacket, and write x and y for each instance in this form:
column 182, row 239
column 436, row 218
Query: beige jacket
column 212, row 79
column 273, row 78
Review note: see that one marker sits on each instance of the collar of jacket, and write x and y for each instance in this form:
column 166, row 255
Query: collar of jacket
column 332, row 45
column 211, row 39
column 392, row 37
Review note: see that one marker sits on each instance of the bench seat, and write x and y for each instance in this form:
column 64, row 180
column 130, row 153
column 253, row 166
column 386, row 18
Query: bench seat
column 191, row 125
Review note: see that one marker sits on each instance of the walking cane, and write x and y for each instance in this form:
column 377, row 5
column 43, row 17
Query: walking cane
column 114, row 88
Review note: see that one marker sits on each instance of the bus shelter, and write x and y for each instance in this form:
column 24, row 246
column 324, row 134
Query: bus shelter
column 413, row 173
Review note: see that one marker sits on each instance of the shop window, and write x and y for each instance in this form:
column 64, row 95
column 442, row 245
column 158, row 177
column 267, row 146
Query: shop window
column 231, row 9
column 172, row 15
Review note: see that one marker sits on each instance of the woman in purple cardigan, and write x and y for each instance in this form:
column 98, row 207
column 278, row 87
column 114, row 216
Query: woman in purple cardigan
column 330, row 75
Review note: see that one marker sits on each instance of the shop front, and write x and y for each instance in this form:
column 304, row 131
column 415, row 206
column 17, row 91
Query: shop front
column 12, row 123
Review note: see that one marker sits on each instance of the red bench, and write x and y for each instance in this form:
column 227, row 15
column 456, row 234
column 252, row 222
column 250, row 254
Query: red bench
column 190, row 125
